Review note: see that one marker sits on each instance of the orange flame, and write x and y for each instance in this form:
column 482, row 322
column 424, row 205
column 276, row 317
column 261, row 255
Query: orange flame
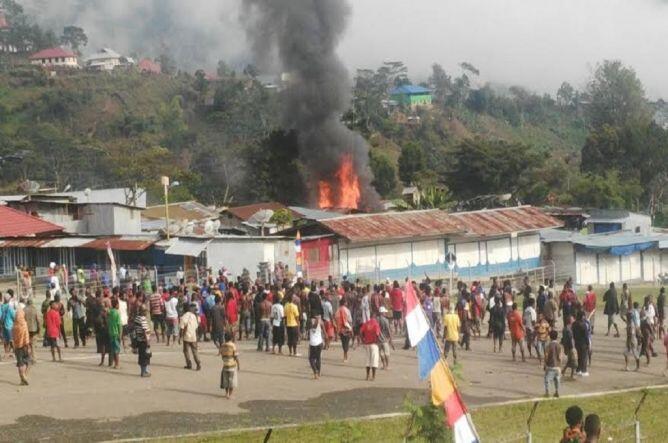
column 347, row 185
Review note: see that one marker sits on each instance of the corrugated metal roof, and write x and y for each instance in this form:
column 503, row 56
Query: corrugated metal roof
column 120, row 244
column 409, row 89
column 246, row 212
column 392, row 225
column 66, row 242
column 499, row 221
column 434, row 223
column 190, row 210
column 14, row 223
column 24, row 243
column 188, row 247
column 314, row 214
column 606, row 240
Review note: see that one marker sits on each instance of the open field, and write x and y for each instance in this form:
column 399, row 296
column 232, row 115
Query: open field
column 505, row 423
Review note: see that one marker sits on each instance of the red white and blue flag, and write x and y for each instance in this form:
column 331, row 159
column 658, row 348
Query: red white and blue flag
column 431, row 365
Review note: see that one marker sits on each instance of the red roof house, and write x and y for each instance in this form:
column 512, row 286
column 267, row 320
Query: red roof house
column 15, row 223
column 148, row 66
column 55, row 57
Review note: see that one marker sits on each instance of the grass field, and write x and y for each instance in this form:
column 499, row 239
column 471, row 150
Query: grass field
column 494, row 424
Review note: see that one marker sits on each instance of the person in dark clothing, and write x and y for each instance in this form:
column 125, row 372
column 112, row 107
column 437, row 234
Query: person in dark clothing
column 541, row 299
column 497, row 323
column 581, row 340
column 219, row 320
column 314, row 304
column 611, row 308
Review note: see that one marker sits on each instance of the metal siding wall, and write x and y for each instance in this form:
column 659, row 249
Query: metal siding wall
column 609, row 268
column 395, row 256
column 585, row 268
column 467, row 255
column 427, row 252
column 635, row 266
column 498, row 251
column 361, row 260
column 529, row 246
column 651, row 263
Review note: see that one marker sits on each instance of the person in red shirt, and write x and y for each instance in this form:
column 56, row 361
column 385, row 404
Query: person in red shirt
column 589, row 305
column 516, row 328
column 232, row 311
column 370, row 332
column 52, row 325
column 397, row 302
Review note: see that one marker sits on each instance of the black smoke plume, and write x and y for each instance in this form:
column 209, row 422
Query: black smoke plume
column 302, row 35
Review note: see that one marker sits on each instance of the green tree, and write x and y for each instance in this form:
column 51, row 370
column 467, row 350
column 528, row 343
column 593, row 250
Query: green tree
column 482, row 167
column 75, row 37
column 167, row 64
column 607, row 191
column 637, row 152
column 440, row 82
column 616, row 96
column 411, row 163
column 384, row 174
column 566, row 95
column 281, row 217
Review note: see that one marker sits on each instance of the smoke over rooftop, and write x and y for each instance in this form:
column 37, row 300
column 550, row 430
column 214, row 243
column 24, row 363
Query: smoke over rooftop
column 300, row 37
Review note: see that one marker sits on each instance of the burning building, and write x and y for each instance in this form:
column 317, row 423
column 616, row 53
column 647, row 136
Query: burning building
column 300, row 37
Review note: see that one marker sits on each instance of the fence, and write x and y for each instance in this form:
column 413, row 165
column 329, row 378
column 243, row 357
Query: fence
column 626, row 421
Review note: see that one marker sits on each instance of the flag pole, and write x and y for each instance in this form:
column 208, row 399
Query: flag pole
column 442, row 360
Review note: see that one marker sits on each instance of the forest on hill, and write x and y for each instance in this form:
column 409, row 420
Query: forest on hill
column 219, row 135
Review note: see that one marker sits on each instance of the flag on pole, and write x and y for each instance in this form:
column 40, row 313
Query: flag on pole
column 298, row 254
column 416, row 322
column 431, row 365
column 110, row 253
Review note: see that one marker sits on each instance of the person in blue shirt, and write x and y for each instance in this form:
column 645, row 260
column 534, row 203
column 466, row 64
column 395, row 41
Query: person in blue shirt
column 7, row 315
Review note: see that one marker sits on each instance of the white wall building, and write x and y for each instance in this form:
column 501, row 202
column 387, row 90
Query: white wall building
column 605, row 258
column 55, row 58
column 485, row 243
column 104, row 60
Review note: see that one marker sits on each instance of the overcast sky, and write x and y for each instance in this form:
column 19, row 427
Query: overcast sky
column 533, row 43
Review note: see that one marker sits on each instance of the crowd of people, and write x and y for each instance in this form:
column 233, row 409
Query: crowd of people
column 555, row 328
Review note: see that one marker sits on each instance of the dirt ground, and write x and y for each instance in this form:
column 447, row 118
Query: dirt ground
column 79, row 401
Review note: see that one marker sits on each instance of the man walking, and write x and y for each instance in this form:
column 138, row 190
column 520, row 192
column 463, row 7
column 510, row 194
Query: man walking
column 188, row 335
column 264, row 311
column 370, row 333
column 451, row 325
column 581, row 339
column 611, row 308
column 516, row 329
column 52, row 326
column 172, row 317
column 76, row 307
column 589, row 305
column 552, row 364
column 32, row 319
column 114, row 327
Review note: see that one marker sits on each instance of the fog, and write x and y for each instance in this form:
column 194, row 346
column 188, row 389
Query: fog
column 536, row 44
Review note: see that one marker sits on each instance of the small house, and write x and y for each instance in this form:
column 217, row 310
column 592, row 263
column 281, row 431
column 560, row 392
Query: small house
column 411, row 96
column 55, row 58
column 148, row 66
column 104, row 60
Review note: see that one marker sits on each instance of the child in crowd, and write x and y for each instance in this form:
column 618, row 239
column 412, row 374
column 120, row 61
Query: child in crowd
column 228, row 376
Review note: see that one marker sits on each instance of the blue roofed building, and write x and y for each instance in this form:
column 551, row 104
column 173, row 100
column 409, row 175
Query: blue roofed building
column 411, row 96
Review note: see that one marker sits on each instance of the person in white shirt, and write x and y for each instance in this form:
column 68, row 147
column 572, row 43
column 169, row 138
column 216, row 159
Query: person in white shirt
column 277, row 326
column 188, row 335
column 172, row 318
column 529, row 319
column 123, row 311
column 315, row 342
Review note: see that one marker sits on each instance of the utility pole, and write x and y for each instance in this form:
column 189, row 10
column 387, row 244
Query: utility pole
column 165, row 184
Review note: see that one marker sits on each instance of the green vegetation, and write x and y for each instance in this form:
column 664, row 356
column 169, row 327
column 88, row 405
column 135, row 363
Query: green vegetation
column 496, row 423
column 221, row 136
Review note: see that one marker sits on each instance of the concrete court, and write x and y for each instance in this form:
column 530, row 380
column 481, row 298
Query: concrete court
column 78, row 401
